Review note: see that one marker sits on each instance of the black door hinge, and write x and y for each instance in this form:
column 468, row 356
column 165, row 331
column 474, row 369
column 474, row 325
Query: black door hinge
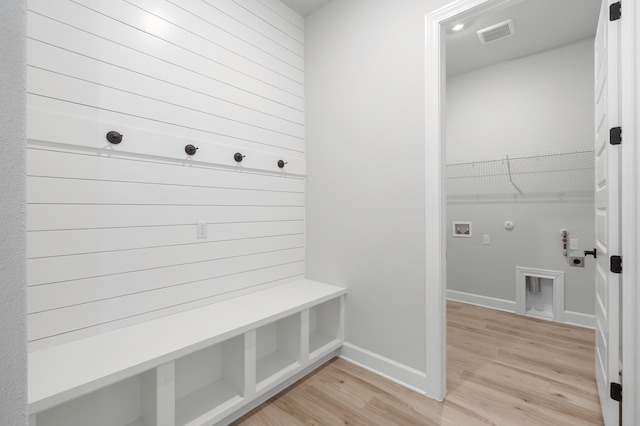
column 615, row 11
column 616, row 392
column 616, row 264
column 615, row 135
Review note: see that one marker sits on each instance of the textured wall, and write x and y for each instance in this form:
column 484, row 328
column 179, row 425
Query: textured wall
column 13, row 359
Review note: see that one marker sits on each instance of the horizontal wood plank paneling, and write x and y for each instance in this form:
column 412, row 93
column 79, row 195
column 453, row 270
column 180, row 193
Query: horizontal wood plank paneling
column 89, row 132
column 80, row 191
column 124, row 13
column 112, row 228
column 51, row 323
column 257, row 24
column 76, row 67
column 274, row 19
column 47, row 162
column 147, row 45
column 74, row 292
column 207, row 78
column 238, row 29
column 42, row 217
column 290, row 65
column 56, row 269
column 285, row 12
column 81, row 92
column 79, row 241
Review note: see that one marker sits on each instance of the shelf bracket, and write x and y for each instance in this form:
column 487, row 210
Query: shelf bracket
column 509, row 172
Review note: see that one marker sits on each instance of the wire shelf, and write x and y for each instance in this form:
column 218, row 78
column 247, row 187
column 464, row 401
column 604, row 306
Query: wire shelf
column 559, row 175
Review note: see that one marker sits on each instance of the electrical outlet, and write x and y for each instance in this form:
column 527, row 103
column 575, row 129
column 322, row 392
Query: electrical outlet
column 486, row 239
column 574, row 244
column 201, row 230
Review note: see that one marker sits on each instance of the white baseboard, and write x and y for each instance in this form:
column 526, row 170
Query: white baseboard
column 580, row 319
column 573, row 318
column 403, row 375
column 484, row 301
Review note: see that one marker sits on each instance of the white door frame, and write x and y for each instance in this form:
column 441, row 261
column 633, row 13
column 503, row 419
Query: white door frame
column 436, row 280
column 630, row 66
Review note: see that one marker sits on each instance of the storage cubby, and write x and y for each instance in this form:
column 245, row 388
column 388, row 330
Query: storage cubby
column 277, row 350
column 209, row 383
column 220, row 359
column 324, row 327
column 125, row 403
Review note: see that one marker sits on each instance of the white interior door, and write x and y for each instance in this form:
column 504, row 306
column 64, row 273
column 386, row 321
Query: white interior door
column 607, row 202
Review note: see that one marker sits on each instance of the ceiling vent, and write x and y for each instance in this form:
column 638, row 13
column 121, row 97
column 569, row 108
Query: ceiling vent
column 497, row 32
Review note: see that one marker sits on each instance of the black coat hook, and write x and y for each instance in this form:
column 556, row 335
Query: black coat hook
column 114, row 137
column 281, row 163
column 238, row 157
column 190, row 149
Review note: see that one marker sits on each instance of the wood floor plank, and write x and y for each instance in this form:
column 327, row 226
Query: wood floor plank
column 392, row 391
column 502, row 368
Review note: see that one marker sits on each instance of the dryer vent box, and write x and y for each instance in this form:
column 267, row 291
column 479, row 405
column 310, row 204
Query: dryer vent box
column 577, row 261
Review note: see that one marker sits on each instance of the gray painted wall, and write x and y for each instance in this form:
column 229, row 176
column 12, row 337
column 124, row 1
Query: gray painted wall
column 542, row 102
column 365, row 123
column 490, row 270
column 13, row 333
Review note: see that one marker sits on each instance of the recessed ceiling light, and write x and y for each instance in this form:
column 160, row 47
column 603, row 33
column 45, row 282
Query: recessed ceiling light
column 457, row 27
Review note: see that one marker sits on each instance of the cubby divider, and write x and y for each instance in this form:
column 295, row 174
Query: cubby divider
column 325, row 327
column 277, row 350
column 210, row 382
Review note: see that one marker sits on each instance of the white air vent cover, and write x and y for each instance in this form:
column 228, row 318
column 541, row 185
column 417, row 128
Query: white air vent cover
column 497, row 32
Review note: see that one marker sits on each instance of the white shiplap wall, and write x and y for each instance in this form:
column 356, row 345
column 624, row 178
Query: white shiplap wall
column 112, row 228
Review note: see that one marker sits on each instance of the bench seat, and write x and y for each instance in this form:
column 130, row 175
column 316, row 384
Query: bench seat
column 62, row 373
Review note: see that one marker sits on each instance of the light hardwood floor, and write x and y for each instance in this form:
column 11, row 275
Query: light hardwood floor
column 503, row 369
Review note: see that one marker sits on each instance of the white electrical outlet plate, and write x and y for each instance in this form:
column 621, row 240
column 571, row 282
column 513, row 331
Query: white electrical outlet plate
column 574, row 244
column 486, row 239
column 201, row 230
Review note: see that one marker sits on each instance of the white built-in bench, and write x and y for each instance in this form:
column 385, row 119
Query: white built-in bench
column 199, row 367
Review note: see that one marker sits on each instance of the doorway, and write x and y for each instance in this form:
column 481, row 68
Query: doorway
column 436, row 228
column 519, row 156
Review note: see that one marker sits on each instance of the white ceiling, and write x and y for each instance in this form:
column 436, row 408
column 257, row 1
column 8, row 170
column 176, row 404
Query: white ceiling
column 305, row 7
column 539, row 25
